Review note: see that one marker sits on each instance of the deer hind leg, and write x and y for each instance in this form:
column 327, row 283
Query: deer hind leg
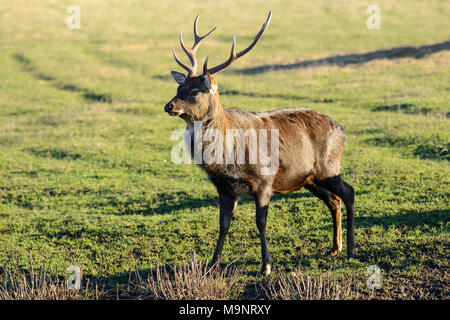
column 339, row 187
column 262, row 206
column 334, row 205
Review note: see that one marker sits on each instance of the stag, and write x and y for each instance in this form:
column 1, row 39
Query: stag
column 310, row 147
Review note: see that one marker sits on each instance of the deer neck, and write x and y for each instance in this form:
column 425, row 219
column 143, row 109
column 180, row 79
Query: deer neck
column 216, row 113
column 214, row 117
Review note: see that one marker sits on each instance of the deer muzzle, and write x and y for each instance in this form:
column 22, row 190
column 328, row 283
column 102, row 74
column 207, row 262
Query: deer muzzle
column 171, row 109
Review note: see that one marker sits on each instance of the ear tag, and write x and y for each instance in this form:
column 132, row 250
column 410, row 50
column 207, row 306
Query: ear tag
column 213, row 89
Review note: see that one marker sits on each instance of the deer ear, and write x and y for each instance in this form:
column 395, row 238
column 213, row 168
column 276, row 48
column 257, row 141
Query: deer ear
column 178, row 77
column 211, row 87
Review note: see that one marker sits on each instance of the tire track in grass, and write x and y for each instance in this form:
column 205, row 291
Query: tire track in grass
column 86, row 94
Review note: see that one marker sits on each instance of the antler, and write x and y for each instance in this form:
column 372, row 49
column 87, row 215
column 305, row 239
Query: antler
column 233, row 54
column 191, row 52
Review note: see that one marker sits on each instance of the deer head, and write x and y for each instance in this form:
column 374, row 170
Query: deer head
column 197, row 96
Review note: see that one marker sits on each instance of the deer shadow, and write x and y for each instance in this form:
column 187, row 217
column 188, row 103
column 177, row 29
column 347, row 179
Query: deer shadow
column 410, row 219
column 170, row 203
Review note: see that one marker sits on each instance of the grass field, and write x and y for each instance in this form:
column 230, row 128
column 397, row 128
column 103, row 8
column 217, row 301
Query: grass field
column 85, row 170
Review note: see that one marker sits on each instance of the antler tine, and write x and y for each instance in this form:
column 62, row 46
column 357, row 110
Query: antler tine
column 205, row 66
column 198, row 39
column 188, row 52
column 191, row 52
column 233, row 55
column 258, row 35
column 225, row 64
column 185, row 67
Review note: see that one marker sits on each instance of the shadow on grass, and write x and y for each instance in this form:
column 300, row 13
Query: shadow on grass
column 343, row 60
column 434, row 147
column 87, row 94
column 54, row 153
column 183, row 204
column 411, row 219
column 405, row 251
column 273, row 96
column 407, row 108
column 168, row 203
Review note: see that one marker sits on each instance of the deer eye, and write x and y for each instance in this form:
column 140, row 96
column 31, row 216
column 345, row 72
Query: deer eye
column 194, row 92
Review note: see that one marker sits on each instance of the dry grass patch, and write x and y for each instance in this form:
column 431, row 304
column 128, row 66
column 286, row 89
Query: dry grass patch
column 192, row 280
column 29, row 286
column 302, row 286
column 189, row 280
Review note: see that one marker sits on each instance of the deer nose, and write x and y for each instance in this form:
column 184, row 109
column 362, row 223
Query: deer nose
column 168, row 107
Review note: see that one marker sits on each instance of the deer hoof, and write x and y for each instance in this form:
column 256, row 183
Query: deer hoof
column 351, row 253
column 333, row 253
column 266, row 270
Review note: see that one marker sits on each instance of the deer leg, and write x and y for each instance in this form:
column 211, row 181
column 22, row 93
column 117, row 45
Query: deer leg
column 227, row 207
column 338, row 186
column 334, row 205
column 262, row 207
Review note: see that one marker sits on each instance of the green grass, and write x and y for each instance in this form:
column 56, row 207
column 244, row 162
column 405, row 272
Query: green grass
column 85, row 170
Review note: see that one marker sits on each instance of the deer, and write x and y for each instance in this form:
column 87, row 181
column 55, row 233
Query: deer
column 310, row 145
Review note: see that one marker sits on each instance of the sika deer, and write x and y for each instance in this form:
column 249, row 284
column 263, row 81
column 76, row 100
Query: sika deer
column 310, row 148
